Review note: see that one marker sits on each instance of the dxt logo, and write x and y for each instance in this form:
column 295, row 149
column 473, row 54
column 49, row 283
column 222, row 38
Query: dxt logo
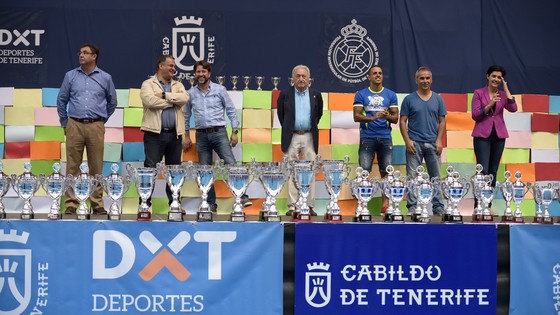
column 16, row 37
column 164, row 255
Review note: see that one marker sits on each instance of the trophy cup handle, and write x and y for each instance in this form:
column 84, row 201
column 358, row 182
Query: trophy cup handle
column 130, row 170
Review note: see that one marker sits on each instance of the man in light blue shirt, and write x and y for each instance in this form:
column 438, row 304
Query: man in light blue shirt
column 86, row 100
column 208, row 102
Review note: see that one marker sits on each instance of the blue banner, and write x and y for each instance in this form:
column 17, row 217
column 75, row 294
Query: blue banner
column 101, row 267
column 534, row 270
column 395, row 269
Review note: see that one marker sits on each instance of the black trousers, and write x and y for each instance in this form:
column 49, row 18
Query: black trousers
column 488, row 152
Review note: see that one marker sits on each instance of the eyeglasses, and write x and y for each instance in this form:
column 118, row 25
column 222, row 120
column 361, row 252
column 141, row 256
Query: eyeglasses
column 84, row 53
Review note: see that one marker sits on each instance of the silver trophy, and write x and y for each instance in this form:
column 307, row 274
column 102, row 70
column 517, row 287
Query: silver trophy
column 520, row 189
column 191, row 79
column 412, row 183
column 175, row 176
column 83, row 186
column 246, row 81
column 384, row 186
column 237, row 177
column 26, row 185
column 310, row 82
column 487, row 193
column 424, row 190
column 5, row 183
column 336, row 173
column 291, row 81
column 260, row 81
column 506, row 188
column 234, row 79
column 275, row 82
column 144, row 180
column 221, row 79
column 445, row 186
column 544, row 195
column 457, row 190
column 204, row 175
column 303, row 173
column 363, row 190
column 55, row 185
column 115, row 185
column 273, row 176
column 477, row 182
column 395, row 190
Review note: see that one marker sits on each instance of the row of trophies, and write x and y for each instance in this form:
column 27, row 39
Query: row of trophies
column 273, row 176
column 247, row 81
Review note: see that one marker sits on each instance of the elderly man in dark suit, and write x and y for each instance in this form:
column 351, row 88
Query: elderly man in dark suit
column 299, row 112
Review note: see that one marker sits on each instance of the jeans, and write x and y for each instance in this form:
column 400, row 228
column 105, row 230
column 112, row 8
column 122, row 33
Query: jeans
column 369, row 147
column 158, row 146
column 488, row 152
column 217, row 141
column 424, row 151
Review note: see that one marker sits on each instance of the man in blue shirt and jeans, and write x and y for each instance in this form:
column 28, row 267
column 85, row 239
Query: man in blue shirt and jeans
column 208, row 102
column 422, row 125
column 86, row 100
column 376, row 108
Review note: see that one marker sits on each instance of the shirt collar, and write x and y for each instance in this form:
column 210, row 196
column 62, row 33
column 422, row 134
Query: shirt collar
column 302, row 93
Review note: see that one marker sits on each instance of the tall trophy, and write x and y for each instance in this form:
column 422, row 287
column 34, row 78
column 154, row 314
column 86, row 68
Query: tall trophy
column 260, row 81
column 487, row 193
column 234, row 80
column 477, row 182
column 412, row 183
column 457, row 190
column 445, row 186
column 303, row 173
column 363, row 189
column 273, row 176
column 191, row 79
column 5, row 183
column 396, row 191
column 237, row 177
column 506, row 188
column 336, row 172
column 220, row 79
column 544, row 195
column 275, row 82
column 83, row 186
column 115, row 185
column 55, row 185
column 424, row 190
column 144, row 180
column 204, row 175
column 26, row 185
column 175, row 176
column 246, row 81
column 520, row 189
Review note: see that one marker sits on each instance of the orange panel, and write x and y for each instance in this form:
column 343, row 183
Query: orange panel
column 45, row 150
column 341, row 101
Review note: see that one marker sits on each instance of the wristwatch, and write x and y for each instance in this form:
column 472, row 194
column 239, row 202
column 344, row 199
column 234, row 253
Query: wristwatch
column 163, row 94
column 236, row 131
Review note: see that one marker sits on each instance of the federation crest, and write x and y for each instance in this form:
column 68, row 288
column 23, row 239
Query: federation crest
column 318, row 284
column 352, row 54
column 15, row 275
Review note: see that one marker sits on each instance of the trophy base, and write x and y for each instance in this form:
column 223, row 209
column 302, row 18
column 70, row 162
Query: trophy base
column 477, row 217
column 387, row 217
column 487, row 218
column 363, row 218
column 53, row 216
column 27, row 216
column 424, row 220
column 301, row 217
column 204, row 216
column 173, row 216
column 333, row 218
column 82, row 216
column 445, row 217
column 397, row 218
column 546, row 220
column 237, row 218
column 263, row 215
column 144, row 216
column 416, row 217
column 512, row 219
column 2, row 215
column 114, row 216
column 454, row 218
column 273, row 218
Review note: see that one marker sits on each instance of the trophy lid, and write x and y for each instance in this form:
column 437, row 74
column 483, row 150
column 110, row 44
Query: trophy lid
column 397, row 174
column 507, row 175
column 390, row 169
column 450, row 170
column 478, row 168
column 420, row 170
column 114, row 168
column 518, row 175
column 27, row 167
column 56, row 167
column 84, row 168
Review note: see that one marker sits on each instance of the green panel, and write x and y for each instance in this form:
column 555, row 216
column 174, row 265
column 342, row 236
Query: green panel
column 49, row 133
column 132, row 117
column 160, row 205
column 469, row 101
column 1, row 133
column 42, row 166
column 112, row 152
column 325, row 122
column 340, row 150
column 276, row 136
column 262, row 152
column 257, row 99
column 516, row 156
column 460, row 155
column 122, row 98
column 397, row 137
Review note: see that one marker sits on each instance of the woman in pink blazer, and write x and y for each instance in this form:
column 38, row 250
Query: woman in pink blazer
column 490, row 132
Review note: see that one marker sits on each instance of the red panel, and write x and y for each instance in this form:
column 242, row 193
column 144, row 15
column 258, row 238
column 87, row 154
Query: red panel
column 133, row 134
column 17, row 150
column 455, row 102
column 547, row 171
column 535, row 103
column 275, row 95
column 545, row 122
